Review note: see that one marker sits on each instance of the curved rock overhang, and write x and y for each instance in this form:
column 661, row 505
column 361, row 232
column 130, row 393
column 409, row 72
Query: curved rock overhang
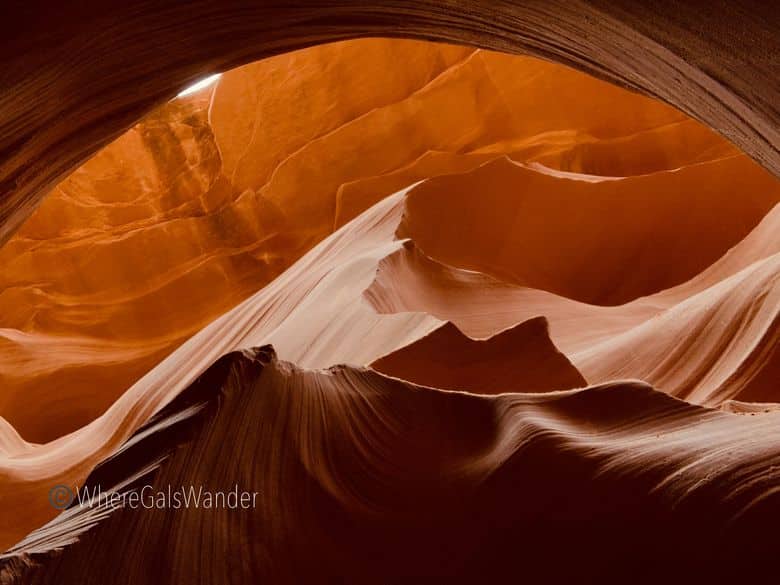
column 71, row 82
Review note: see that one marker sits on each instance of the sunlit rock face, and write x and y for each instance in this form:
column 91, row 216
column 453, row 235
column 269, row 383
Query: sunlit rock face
column 213, row 195
column 459, row 258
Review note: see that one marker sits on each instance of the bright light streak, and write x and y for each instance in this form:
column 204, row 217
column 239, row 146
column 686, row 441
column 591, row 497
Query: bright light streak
column 198, row 85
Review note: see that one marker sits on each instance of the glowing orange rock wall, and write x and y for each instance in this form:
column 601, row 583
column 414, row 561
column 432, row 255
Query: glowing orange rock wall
column 213, row 195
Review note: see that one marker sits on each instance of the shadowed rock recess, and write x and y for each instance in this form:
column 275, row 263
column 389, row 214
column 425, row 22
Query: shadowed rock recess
column 73, row 81
column 408, row 482
column 445, row 313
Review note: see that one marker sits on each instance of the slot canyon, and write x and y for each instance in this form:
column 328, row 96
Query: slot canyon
column 458, row 292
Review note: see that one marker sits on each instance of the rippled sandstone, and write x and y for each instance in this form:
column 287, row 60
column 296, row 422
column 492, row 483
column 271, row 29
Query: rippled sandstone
column 216, row 193
column 562, row 329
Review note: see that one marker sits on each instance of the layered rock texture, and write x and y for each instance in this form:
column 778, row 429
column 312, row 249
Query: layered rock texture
column 77, row 79
column 212, row 196
column 454, row 315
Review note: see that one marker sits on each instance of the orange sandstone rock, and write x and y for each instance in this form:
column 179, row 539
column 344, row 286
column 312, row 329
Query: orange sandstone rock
column 213, row 195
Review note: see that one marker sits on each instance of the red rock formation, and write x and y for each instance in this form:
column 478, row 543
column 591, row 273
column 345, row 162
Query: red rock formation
column 546, row 230
column 360, row 478
column 520, row 357
column 674, row 339
column 542, row 359
column 209, row 201
column 73, row 81
column 315, row 315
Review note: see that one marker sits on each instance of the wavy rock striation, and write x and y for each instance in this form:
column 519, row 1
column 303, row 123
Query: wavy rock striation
column 441, row 326
column 321, row 312
column 520, row 357
column 213, row 195
column 363, row 478
column 707, row 340
column 72, row 82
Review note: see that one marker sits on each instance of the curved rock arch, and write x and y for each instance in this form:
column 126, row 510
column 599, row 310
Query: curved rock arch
column 73, row 82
